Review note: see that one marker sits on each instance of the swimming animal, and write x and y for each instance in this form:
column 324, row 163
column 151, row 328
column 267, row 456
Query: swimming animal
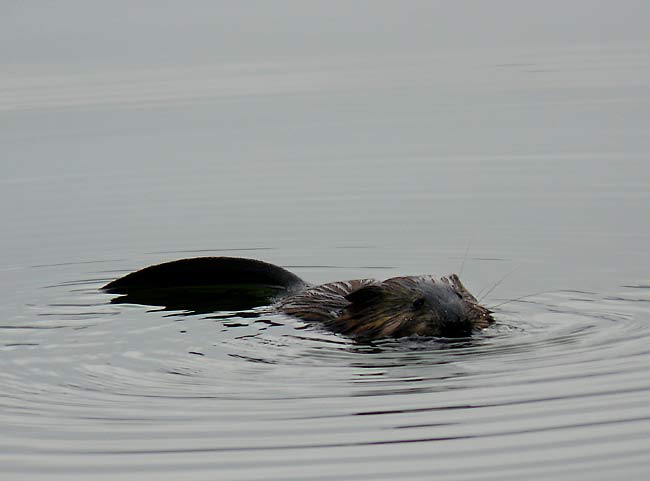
column 364, row 309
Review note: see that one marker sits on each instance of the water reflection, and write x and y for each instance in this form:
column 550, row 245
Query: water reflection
column 252, row 381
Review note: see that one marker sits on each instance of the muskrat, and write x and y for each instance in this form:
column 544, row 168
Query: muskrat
column 364, row 309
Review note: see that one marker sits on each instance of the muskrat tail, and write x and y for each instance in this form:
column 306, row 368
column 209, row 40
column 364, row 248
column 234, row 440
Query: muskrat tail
column 206, row 284
column 206, row 271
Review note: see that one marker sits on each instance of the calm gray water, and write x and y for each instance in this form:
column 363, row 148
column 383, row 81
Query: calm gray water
column 340, row 140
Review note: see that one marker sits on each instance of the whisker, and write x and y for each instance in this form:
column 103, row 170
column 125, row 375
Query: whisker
column 520, row 298
column 462, row 265
column 497, row 284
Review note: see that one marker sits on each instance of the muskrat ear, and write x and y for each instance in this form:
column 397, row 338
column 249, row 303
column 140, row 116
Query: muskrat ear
column 367, row 294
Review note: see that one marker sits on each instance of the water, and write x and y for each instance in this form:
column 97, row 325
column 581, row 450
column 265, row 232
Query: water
column 339, row 151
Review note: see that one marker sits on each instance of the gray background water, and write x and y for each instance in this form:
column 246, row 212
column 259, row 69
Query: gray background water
column 342, row 140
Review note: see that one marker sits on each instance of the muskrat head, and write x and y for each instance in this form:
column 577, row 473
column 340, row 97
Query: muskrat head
column 404, row 306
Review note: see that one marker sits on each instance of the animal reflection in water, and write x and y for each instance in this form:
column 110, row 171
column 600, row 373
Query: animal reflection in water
column 363, row 309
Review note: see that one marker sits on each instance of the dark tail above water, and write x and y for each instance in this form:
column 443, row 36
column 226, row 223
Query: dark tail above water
column 206, row 284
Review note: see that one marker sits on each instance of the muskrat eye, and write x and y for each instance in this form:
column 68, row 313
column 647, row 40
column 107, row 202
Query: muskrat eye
column 418, row 303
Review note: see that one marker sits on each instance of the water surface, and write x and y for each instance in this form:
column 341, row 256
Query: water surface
column 339, row 151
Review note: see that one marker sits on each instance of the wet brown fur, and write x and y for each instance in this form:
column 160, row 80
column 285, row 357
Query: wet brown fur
column 398, row 307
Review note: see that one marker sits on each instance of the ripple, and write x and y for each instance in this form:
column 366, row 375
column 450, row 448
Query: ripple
column 561, row 380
